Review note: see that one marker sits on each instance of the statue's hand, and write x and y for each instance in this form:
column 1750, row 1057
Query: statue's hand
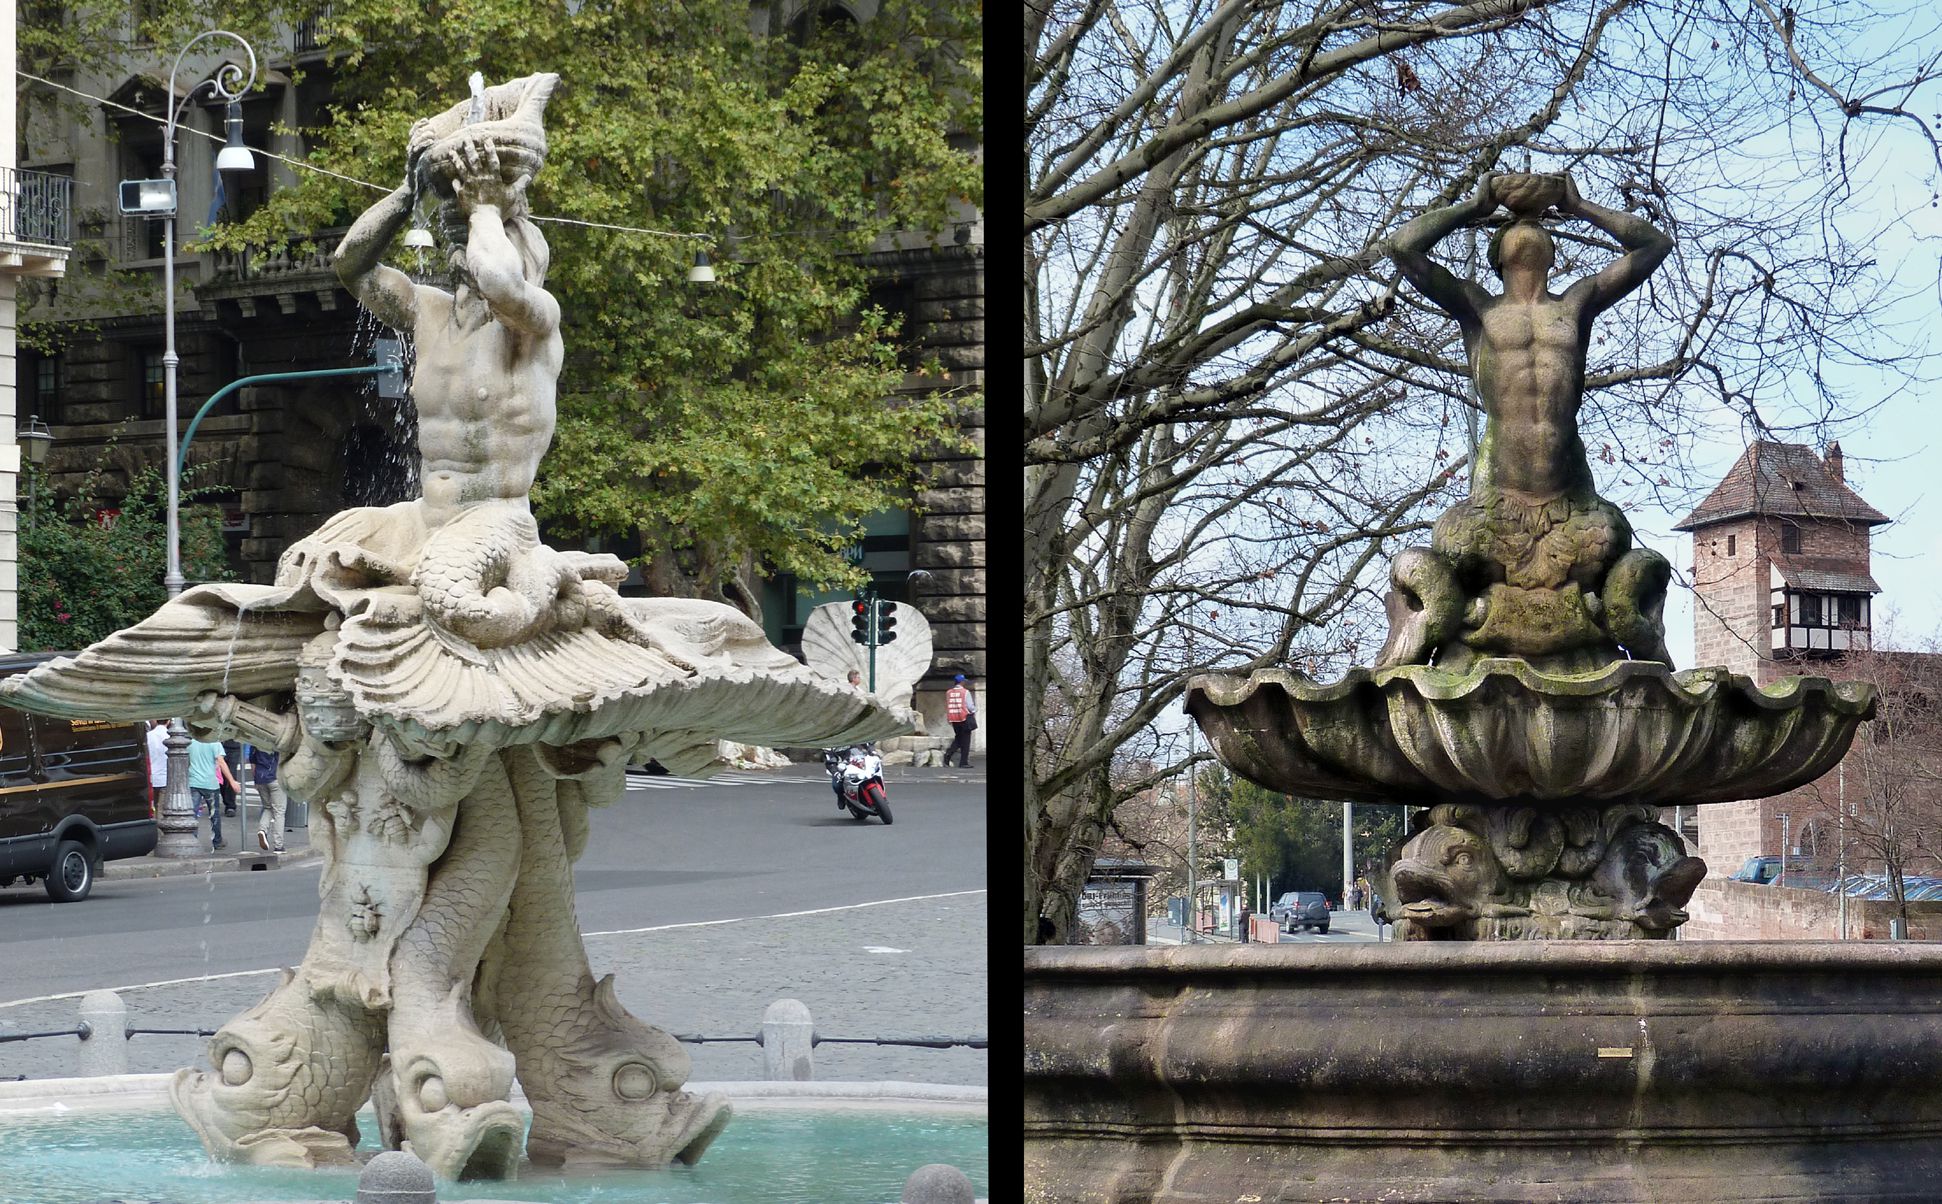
column 420, row 141
column 1484, row 199
column 1572, row 202
column 481, row 180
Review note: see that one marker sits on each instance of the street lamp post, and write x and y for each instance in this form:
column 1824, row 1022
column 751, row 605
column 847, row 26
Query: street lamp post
column 34, row 439
column 178, row 818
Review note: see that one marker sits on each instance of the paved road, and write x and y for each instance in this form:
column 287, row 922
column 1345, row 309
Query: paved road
column 1343, row 927
column 719, row 872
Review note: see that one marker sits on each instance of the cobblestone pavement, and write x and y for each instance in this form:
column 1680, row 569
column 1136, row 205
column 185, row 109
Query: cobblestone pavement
column 905, row 969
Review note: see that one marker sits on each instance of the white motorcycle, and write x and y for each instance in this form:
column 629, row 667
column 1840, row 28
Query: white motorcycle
column 856, row 775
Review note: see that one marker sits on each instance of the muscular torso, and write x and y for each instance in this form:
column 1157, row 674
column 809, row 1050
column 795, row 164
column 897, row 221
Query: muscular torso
column 1528, row 360
column 485, row 395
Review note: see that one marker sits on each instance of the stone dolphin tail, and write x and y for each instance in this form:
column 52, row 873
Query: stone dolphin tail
column 604, row 1087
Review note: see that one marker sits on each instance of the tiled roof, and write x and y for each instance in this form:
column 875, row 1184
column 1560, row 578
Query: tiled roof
column 1825, row 576
column 1781, row 479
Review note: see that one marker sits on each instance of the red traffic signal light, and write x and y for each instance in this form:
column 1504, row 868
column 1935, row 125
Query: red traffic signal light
column 860, row 621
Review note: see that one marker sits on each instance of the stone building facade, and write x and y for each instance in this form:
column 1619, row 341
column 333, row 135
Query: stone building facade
column 36, row 212
column 278, row 458
column 1781, row 581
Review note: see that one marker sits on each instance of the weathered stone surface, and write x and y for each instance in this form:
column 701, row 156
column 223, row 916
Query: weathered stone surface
column 938, row 1183
column 1583, row 1071
column 1632, row 732
column 1504, row 871
column 950, row 555
column 950, row 501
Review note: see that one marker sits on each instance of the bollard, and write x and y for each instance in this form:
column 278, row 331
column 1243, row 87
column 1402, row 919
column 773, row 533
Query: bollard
column 787, row 1042
column 105, row 1049
column 938, row 1183
column 396, row 1177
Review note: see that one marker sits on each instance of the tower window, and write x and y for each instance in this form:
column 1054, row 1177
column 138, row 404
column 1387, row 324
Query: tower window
column 1850, row 610
column 1789, row 538
column 1810, row 610
column 1732, row 544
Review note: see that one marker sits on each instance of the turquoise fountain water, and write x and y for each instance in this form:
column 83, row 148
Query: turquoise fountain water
column 769, row 1156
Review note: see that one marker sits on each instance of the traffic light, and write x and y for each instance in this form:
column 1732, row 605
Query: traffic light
column 860, row 621
column 886, row 621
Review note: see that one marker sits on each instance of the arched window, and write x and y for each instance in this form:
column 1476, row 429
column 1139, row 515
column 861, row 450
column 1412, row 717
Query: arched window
column 1809, row 844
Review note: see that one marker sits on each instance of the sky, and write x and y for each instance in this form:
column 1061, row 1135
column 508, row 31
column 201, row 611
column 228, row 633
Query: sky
column 1892, row 456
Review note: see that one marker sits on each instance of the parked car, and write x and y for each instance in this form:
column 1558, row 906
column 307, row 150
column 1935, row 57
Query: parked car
column 1301, row 909
column 73, row 794
column 1761, row 870
column 1804, row 872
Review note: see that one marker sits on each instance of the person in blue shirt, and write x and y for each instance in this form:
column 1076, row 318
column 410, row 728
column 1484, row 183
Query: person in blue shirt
column 262, row 764
column 208, row 770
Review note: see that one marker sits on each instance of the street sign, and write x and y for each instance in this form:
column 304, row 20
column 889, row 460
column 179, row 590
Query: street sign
column 1232, row 866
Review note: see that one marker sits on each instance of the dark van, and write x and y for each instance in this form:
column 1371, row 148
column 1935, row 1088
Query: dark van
column 73, row 794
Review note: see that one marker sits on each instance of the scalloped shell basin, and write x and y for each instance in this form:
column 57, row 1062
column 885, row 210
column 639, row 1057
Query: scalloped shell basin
column 1500, row 731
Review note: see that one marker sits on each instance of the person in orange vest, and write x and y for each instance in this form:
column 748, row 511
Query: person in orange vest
column 961, row 709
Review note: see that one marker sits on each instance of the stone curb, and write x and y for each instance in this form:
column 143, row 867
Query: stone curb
column 152, row 866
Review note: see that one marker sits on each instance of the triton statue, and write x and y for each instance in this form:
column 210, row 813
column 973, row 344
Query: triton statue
column 452, row 696
column 1533, row 563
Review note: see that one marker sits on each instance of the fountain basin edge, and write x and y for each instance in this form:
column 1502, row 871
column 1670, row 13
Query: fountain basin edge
column 1504, row 731
column 1562, row 1070
column 37, row 1097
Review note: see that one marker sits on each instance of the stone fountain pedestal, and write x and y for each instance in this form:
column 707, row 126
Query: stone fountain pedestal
column 1523, row 1071
column 1525, row 704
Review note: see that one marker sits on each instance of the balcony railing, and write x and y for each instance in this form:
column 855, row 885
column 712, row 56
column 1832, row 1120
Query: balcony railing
column 310, row 31
column 284, row 262
column 36, row 207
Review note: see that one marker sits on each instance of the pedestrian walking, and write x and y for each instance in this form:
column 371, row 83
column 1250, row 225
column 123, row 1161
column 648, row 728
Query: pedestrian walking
column 233, row 761
column 262, row 763
column 208, row 770
column 158, row 764
column 961, row 711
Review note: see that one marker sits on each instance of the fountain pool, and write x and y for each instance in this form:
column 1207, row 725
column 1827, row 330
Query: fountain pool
column 780, row 1151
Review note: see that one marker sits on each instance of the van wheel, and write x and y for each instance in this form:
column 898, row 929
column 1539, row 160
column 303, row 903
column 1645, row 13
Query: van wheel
column 72, row 874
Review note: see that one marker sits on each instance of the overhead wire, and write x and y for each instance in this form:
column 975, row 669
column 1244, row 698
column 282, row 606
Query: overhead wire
column 307, row 166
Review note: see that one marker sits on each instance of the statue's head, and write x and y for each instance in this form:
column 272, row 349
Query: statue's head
column 534, row 255
column 1521, row 245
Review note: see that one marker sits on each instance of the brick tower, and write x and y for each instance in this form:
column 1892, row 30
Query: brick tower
column 1780, row 579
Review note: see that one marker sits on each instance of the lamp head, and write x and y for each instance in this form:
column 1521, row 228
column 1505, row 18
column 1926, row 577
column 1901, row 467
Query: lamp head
column 234, row 157
column 703, row 272
column 35, row 439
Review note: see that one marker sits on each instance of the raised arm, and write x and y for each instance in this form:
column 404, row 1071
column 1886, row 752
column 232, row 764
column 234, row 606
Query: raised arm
column 1646, row 247
column 488, row 200
column 1460, row 299
column 384, row 291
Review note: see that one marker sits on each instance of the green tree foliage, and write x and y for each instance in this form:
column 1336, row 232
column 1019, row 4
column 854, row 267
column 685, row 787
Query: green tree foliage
column 85, row 574
column 1298, row 842
column 744, row 426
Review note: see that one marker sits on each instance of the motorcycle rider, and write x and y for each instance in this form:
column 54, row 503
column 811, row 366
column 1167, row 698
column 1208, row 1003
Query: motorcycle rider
column 833, row 762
